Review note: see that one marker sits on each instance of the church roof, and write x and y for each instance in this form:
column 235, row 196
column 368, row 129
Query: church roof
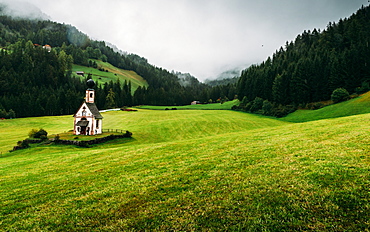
column 82, row 123
column 94, row 110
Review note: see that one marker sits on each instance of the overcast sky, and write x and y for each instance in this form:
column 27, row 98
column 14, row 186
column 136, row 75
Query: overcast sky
column 200, row 37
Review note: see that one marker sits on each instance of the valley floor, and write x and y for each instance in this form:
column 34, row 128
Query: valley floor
column 190, row 171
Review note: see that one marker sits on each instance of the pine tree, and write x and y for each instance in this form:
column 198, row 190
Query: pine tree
column 110, row 99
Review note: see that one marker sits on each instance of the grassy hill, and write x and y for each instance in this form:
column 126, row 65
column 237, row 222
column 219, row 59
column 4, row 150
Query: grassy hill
column 359, row 105
column 113, row 74
column 190, row 170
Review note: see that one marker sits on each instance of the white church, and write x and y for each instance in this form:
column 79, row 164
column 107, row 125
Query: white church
column 88, row 120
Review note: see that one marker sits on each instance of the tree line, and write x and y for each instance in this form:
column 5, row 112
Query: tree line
column 311, row 67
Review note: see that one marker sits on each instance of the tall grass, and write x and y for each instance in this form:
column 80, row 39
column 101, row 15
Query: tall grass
column 194, row 170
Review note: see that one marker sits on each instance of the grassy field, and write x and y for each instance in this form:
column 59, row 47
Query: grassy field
column 113, row 74
column 190, row 171
column 213, row 106
column 359, row 105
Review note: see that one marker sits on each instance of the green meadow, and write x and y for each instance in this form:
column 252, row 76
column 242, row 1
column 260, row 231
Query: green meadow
column 190, row 170
column 113, row 74
column 355, row 106
column 213, row 106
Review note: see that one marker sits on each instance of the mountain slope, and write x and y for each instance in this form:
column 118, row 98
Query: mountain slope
column 106, row 72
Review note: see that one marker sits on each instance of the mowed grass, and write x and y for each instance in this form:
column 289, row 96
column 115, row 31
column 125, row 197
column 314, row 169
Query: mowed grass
column 359, row 105
column 193, row 171
column 213, row 106
column 113, row 74
column 14, row 130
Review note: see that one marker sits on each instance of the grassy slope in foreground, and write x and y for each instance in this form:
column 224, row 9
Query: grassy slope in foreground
column 359, row 105
column 195, row 170
column 113, row 74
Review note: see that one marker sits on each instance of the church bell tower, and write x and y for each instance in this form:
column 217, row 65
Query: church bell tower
column 90, row 93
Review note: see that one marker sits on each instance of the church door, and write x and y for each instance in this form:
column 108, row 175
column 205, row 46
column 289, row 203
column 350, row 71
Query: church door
column 83, row 130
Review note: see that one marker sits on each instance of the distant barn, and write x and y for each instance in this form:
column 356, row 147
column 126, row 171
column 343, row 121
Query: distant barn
column 47, row 47
column 80, row 73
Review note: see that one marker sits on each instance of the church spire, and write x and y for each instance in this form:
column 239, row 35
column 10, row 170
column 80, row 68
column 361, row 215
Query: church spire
column 90, row 93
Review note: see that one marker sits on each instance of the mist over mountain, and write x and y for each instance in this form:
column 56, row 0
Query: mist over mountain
column 231, row 73
column 229, row 76
column 186, row 79
column 224, row 81
column 116, row 49
column 21, row 9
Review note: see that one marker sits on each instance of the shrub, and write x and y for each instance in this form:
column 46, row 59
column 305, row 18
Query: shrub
column 318, row 105
column 364, row 88
column 23, row 144
column 247, row 107
column 257, row 104
column 267, row 107
column 7, row 115
column 244, row 102
column 83, row 144
column 339, row 95
column 282, row 111
column 38, row 134
column 315, row 105
column 41, row 134
column 32, row 133
column 235, row 107
column 11, row 114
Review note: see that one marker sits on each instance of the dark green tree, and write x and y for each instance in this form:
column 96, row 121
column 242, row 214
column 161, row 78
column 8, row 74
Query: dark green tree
column 339, row 95
column 110, row 99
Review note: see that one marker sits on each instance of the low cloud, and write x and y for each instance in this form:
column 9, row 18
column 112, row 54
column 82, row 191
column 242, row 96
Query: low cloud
column 21, row 9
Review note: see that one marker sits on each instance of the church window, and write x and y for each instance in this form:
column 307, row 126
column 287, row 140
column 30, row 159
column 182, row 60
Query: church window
column 84, row 113
column 97, row 123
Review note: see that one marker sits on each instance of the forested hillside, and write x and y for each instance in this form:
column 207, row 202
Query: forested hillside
column 309, row 68
column 36, row 81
